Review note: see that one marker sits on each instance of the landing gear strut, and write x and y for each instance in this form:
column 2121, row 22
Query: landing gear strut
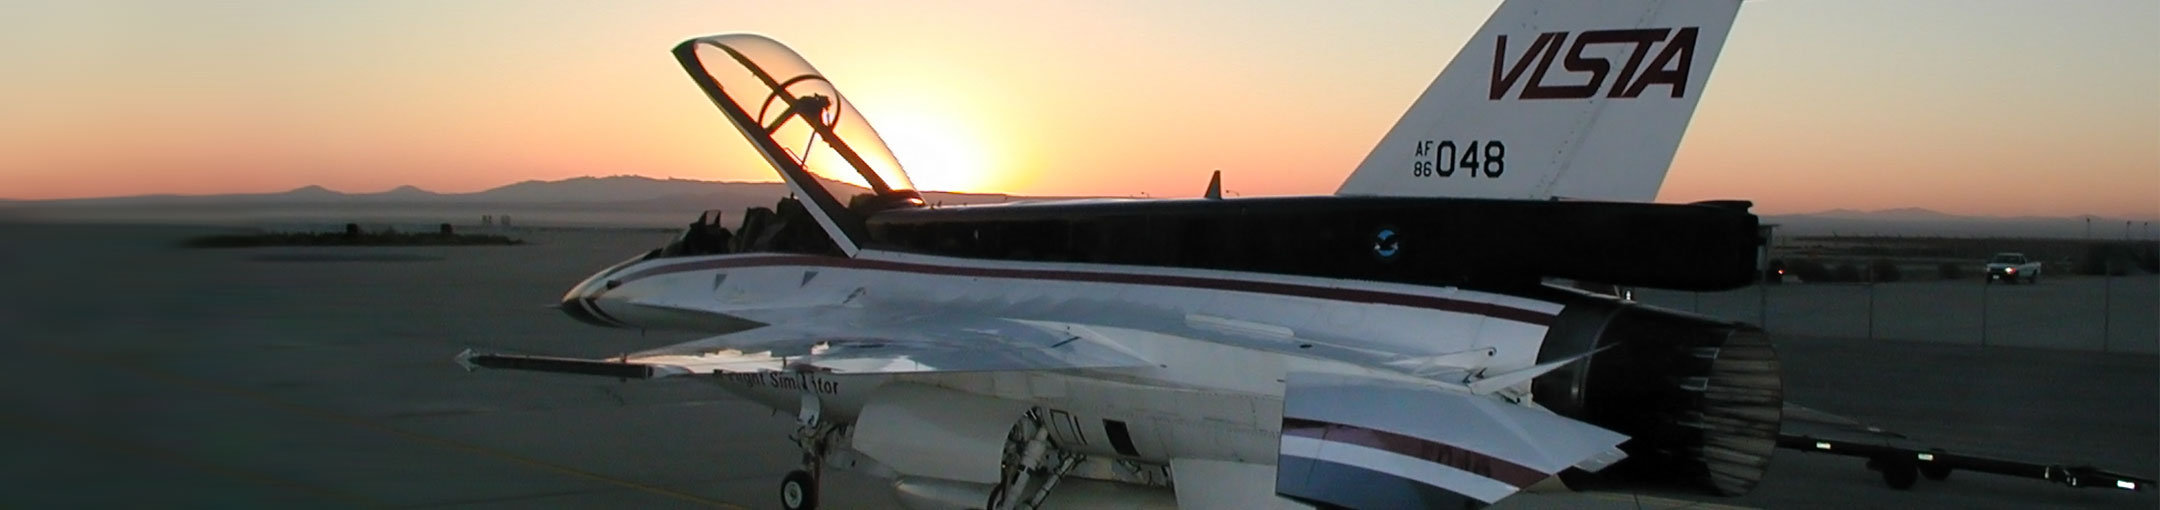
column 799, row 490
column 1030, row 454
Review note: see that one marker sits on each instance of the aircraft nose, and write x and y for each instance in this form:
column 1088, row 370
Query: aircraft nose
column 582, row 302
column 585, row 310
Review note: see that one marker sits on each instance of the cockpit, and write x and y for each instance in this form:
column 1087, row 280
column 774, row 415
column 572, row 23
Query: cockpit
column 784, row 228
column 839, row 169
column 802, row 125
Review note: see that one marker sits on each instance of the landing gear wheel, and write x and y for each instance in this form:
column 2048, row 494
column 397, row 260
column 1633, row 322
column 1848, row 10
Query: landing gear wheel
column 798, row 491
column 1900, row 475
column 1935, row 472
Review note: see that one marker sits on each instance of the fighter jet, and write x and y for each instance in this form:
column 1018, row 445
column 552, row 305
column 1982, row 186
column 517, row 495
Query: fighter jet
column 1404, row 343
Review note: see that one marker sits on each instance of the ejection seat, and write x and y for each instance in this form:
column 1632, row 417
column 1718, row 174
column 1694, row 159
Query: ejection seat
column 703, row 237
column 786, row 228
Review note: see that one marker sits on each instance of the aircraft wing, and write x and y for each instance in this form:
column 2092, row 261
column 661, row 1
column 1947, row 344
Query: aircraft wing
column 1367, row 443
column 839, row 340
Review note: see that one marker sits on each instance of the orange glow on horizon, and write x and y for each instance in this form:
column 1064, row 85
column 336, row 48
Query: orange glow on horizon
column 1914, row 104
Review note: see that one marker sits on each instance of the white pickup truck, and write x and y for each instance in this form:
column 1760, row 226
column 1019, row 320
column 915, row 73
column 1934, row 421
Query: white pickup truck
column 2010, row 266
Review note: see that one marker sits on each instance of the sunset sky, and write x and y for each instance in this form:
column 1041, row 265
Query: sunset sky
column 1963, row 106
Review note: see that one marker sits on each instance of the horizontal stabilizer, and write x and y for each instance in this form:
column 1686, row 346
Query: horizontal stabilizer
column 1901, row 458
column 1368, row 444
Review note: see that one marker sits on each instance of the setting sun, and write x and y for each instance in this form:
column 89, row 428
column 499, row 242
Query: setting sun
column 938, row 153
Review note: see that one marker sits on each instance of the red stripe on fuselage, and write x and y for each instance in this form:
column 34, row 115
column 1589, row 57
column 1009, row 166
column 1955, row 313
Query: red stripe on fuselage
column 1435, row 452
column 1196, row 282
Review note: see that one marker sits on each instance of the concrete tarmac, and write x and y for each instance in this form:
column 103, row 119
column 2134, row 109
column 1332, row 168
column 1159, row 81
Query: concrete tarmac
column 141, row 375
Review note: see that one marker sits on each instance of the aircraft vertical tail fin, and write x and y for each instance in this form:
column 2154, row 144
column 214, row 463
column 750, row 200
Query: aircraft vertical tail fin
column 1556, row 99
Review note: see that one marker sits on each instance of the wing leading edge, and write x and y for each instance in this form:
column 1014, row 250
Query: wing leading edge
column 854, row 345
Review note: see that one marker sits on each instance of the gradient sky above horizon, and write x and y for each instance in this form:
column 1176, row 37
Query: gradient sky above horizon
column 1970, row 107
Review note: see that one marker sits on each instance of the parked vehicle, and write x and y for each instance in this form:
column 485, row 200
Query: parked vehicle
column 2011, row 266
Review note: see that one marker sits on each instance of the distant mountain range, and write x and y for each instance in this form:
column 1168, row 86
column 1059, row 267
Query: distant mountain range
column 584, row 201
column 590, row 190
column 1917, row 222
column 1906, row 213
column 644, row 201
column 619, row 190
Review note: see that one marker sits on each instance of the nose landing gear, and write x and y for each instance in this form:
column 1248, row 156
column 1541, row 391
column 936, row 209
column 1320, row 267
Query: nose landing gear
column 798, row 491
column 816, row 437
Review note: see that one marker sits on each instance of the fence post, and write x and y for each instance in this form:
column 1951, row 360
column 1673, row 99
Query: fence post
column 1984, row 286
column 1762, row 305
column 1871, row 311
column 2107, row 303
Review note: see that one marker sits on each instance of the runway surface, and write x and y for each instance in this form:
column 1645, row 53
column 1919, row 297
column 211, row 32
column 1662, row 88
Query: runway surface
column 144, row 375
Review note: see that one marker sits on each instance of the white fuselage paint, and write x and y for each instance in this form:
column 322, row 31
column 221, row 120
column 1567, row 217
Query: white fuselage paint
column 1215, row 391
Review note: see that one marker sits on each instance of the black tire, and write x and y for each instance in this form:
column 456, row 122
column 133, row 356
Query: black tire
column 1936, row 472
column 1900, row 475
column 798, row 491
column 2034, row 279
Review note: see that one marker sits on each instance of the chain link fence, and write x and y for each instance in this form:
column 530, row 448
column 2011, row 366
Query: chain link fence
column 2088, row 313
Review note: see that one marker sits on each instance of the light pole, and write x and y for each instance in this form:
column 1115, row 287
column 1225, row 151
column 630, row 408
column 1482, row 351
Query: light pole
column 1767, row 234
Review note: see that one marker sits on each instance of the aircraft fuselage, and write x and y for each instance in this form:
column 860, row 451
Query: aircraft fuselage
column 1482, row 243
column 1222, row 340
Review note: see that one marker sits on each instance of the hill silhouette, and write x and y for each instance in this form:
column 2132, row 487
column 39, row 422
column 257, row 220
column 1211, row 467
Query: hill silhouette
column 629, row 200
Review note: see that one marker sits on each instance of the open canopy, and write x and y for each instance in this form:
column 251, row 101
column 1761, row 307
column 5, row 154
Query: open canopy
column 808, row 131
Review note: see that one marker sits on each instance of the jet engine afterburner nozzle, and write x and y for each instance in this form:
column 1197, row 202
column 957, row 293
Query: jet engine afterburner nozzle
column 1700, row 398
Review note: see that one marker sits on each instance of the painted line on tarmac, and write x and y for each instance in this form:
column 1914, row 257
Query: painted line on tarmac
column 266, row 399
column 178, row 459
